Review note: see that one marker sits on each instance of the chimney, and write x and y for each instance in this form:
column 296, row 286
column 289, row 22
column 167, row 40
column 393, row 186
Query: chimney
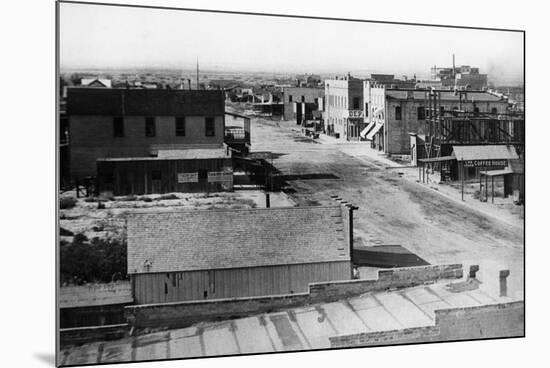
column 503, row 275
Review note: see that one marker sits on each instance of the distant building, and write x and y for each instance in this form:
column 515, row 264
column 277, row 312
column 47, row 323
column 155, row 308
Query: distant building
column 219, row 254
column 95, row 82
column 343, row 117
column 300, row 102
column 393, row 114
column 134, row 123
column 464, row 76
column 390, row 81
column 308, row 80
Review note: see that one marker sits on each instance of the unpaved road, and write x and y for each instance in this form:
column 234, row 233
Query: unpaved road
column 392, row 210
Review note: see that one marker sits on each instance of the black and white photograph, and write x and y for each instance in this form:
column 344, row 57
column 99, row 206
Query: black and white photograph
column 251, row 184
column 283, row 184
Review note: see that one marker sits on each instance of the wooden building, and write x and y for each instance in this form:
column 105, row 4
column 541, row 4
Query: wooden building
column 197, row 255
column 190, row 170
column 115, row 123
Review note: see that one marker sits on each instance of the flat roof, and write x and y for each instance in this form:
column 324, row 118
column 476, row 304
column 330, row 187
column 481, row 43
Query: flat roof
column 437, row 159
column 485, row 152
column 183, row 154
column 496, row 172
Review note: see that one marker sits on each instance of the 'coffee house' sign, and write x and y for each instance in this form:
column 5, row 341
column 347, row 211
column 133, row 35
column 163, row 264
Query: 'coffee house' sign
column 485, row 163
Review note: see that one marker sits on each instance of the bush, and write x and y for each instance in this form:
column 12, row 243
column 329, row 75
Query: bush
column 65, row 232
column 90, row 199
column 97, row 261
column 145, row 199
column 128, row 198
column 67, row 202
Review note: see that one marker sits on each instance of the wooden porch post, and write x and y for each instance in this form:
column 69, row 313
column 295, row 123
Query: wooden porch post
column 492, row 189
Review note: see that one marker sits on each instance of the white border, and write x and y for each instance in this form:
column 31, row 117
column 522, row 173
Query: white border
column 27, row 185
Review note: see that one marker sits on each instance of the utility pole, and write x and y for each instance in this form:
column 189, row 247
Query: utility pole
column 197, row 73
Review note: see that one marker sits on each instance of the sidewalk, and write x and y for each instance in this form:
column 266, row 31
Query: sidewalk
column 502, row 209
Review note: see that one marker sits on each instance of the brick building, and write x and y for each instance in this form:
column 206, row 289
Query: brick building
column 343, row 116
column 300, row 102
column 214, row 254
column 393, row 114
column 116, row 123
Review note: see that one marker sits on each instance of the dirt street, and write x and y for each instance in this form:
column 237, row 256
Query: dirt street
column 392, row 209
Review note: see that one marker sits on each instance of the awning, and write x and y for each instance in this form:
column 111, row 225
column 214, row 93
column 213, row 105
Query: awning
column 374, row 131
column 485, row 152
column 377, row 111
column 366, row 130
column 437, row 159
column 496, row 172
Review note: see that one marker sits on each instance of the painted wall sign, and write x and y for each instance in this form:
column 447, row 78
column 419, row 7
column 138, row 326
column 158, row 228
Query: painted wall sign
column 219, row 176
column 355, row 113
column 188, row 177
column 485, row 163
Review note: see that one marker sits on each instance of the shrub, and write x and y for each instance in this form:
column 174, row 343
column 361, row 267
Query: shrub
column 67, row 202
column 128, row 198
column 145, row 199
column 65, row 232
column 97, row 261
column 79, row 238
column 90, row 199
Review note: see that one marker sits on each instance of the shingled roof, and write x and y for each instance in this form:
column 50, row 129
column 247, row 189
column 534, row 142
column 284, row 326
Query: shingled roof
column 143, row 102
column 216, row 239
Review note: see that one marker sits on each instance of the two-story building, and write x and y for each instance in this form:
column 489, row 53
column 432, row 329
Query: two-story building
column 393, row 114
column 343, row 116
column 112, row 128
column 301, row 102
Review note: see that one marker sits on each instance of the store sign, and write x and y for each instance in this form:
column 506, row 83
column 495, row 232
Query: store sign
column 188, row 177
column 355, row 113
column 219, row 176
column 485, row 163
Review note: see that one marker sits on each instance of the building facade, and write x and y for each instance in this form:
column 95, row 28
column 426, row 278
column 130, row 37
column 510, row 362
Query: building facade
column 116, row 123
column 343, row 116
column 295, row 97
column 392, row 114
column 216, row 254
column 190, row 170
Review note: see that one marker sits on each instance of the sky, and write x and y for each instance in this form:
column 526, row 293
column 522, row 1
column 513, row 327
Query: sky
column 95, row 36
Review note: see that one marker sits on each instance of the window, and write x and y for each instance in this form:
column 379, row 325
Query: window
column 397, row 112
column 356, row 103
column 366, row 109
column 455, row 111
column 303, row 99
column 118, row 127
column 150, row 128
column 494, row 110
column 421, row 111
column 180, row 126
column 476, row 110
column 209, row 127
column 289, row 98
